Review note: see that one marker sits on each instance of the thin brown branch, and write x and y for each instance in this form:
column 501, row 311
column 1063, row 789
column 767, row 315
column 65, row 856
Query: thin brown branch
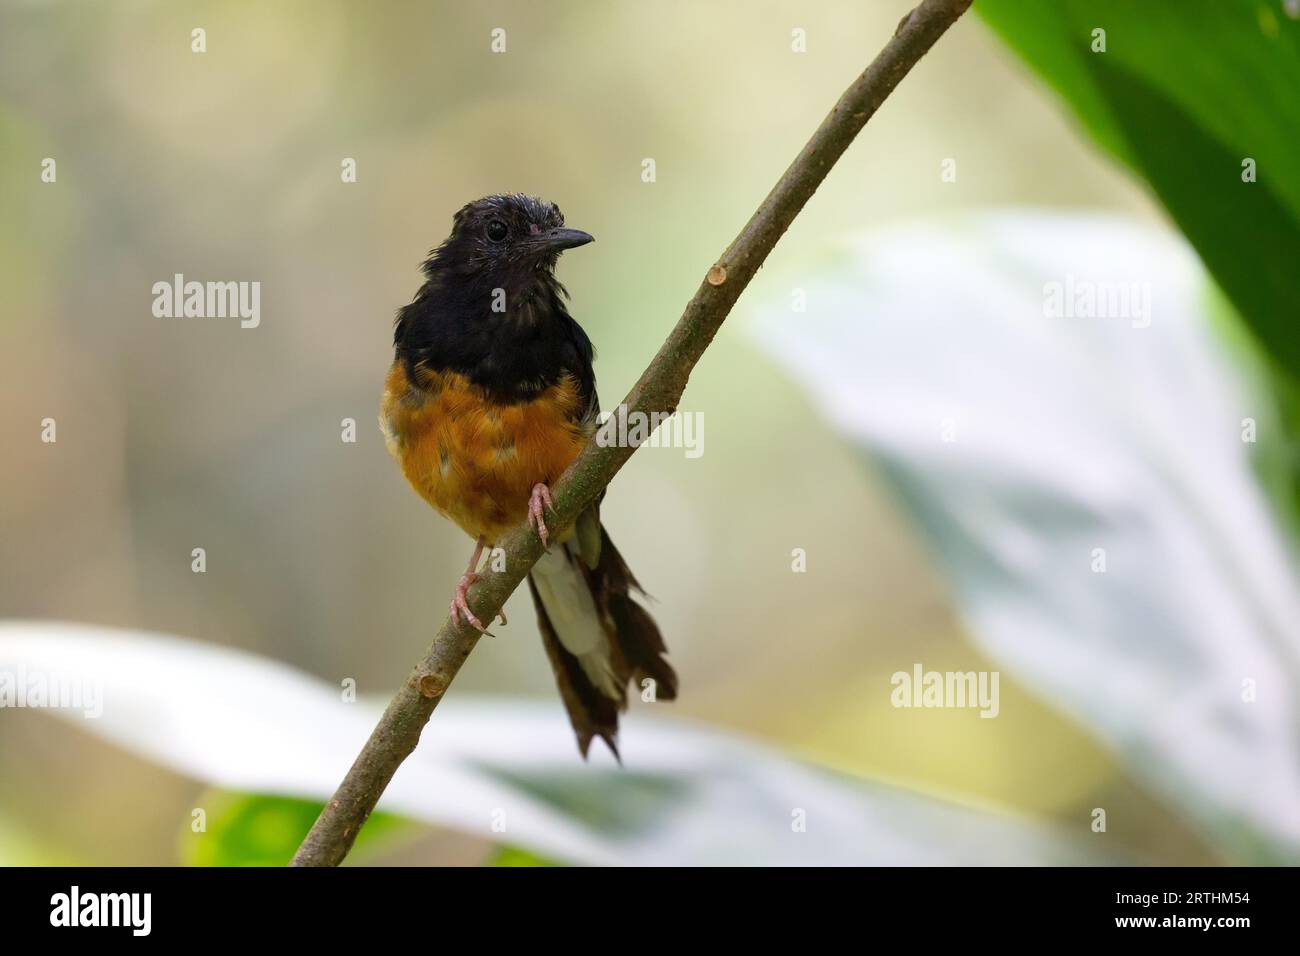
column 658, row 390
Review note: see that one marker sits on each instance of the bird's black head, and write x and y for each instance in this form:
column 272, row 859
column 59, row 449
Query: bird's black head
column 503, row 242
column 491, row 307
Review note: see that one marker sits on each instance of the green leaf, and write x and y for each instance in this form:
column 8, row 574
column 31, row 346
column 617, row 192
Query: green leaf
column 513, row 856
column 1082, row 483
column 500, row 770
column 624, row 803
column 1183, row 94
column 244, row 829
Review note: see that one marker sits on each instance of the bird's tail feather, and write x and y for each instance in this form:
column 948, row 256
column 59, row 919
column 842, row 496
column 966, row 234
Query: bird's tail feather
column 597, row 638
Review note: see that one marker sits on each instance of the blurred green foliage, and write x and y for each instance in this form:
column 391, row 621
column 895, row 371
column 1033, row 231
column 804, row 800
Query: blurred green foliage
column 1184, row 94
column 513, row 856
column 625, row 804
column 261, row 830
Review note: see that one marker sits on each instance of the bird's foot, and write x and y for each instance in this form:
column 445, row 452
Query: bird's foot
column 460, row 605
column 538, row 502
column 460, row 600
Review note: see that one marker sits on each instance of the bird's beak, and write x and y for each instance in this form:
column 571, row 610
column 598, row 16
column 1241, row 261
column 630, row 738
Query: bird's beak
column 557, row 240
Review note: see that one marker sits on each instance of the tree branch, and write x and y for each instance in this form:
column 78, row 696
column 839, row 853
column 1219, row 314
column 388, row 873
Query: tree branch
column 658, row 390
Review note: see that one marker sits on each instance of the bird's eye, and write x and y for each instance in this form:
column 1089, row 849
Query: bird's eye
column 496, row 230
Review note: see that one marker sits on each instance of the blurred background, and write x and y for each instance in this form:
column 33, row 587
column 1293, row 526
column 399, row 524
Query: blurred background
column 175, row 434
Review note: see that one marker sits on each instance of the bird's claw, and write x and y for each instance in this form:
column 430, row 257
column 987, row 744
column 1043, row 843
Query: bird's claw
column 538, row 502
column 460, row 605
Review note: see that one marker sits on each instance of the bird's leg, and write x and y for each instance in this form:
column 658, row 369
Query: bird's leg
column 459, row 602
column 538, row 502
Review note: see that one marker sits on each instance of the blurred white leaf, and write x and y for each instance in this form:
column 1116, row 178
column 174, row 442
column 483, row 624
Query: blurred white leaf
column 688, row 794
column 1021, row 442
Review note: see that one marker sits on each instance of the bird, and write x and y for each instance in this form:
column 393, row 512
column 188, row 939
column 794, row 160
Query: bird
column 490, row 396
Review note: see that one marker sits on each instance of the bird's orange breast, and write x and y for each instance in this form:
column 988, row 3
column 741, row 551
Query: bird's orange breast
column 474, row 460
